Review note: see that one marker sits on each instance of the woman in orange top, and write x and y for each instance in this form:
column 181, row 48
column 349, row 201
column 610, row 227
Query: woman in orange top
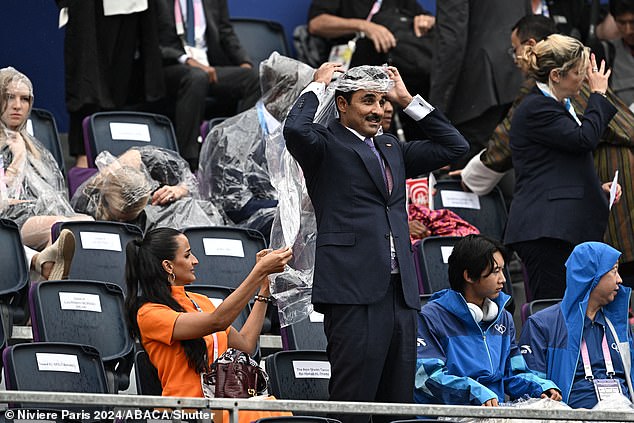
column 177, row 327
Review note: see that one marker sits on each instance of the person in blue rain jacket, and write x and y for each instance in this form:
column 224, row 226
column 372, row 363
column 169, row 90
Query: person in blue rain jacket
column 466, row 340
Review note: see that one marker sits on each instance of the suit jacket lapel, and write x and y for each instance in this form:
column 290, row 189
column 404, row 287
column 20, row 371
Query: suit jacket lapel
column 367, row 156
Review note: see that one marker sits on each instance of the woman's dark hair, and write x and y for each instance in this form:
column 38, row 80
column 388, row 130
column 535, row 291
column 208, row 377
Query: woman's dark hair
column 146, row 282
column 473, row 253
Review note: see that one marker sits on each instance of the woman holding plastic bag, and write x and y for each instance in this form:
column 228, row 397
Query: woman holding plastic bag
column 182, row 332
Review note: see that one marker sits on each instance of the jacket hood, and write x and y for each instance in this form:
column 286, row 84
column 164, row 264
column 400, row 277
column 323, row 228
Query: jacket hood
column 586, row 265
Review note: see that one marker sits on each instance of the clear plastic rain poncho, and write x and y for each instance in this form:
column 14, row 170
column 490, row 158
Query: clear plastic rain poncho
column 123, row 187
column 31, row 183
column 295, row 224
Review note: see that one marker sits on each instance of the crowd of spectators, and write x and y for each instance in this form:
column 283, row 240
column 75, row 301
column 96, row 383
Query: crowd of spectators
column 564, row 130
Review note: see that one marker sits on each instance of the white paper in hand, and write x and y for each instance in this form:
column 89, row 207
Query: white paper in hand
column 613, row 188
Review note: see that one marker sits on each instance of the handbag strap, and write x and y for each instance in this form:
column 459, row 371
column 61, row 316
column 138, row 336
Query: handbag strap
column 213, row 335
column 375, row 9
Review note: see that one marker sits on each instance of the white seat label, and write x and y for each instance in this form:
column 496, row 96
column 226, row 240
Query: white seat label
column 100, row 241
column 311, row 369
column 130, row 131
column 49, row 362
column 223, row 247
column 80, row 301
column 459, row 199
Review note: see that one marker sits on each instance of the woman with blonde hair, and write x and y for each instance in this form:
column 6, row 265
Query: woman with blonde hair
column 32, row 188
column 559, row 201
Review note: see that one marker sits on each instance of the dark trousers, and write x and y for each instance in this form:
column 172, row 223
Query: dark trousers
column 544, row 260
column 189, row 87
column 372, row 352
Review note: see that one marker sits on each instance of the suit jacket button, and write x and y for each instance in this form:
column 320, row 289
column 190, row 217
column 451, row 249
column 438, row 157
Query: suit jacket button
column 387, row 236
column 387, row 208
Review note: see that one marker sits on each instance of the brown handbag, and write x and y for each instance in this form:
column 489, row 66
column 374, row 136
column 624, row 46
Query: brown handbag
column 234, row 375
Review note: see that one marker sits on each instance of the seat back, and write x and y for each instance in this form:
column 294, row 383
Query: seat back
column 260, row 37
column 486, row 212
column 298, row 375
column 117, row 132
column 99, row 249
column 14, row 277
column 85, row 312
column 297, row 419
column 226, row 255
column 307, row 334
column 218, row 294
column 53, row 367
column 535, row 306
column 146, row 375
column 433, row 258
column 42, row 126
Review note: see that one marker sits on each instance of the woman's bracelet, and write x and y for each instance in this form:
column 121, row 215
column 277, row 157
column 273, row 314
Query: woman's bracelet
column 263, row 299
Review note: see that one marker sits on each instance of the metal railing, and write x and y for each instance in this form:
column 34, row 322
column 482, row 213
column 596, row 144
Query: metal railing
column 138, row 402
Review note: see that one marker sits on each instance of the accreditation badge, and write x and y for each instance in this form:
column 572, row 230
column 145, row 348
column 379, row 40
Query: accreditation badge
column 607, row 388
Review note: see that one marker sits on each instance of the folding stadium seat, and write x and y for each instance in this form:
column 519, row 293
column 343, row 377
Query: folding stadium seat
column 85, row 312
column 433, row 260
column 298, row 375
column 99, row 249
column 307, row 334
column 424, row 299
column 41, row 124
column 208, row 125
column 217, row 294
column 487, row 213
column 260, row 37
column 226, row 255
column 14, row 277
column 53, row 367
column 146, row 375
column 117, row 132
column 530, row 308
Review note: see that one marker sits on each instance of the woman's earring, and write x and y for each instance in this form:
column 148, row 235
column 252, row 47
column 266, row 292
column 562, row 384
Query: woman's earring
column 171, row 278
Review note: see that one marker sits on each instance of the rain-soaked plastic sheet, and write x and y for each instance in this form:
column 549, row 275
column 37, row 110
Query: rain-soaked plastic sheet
column 123, row 187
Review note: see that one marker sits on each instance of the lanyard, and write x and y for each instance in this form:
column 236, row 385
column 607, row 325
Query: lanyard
column 567, row 104
column 375, row 9
column 606, row 357
column 214, row 336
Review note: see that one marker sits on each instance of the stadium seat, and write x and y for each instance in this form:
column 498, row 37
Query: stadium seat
column 489, row 218
column 14, row 278
column 208, row 125
column 424, row 299
column 298, row 375
column 433, row 255
column 117, row 132
column 530, row 308
column 146, row 375
column 260, row 38
column 85, row 312
column 217, row 294
column 53, row 367
column 41, row 125
column 99, row 249
column 307, row 334
column 226, row 255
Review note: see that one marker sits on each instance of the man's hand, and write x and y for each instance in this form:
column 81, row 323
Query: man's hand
column 493, row 402
column 553, row 394
column 608, row 186
column 325, row 71
column 209, row 70
column 246, row 65
column 417, row 230
column 423, row 23
column 381, row 37
column 399, row 93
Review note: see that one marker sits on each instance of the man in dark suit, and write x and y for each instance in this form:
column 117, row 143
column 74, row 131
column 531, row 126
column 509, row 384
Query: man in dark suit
column 364, row 281
column 202, row 57
column 473, row 79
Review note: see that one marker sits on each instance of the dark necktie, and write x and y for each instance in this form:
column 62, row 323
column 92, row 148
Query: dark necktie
column 191, row 25
column 385, row 168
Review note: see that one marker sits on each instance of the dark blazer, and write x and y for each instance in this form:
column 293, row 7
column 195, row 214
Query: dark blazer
column 354, row 212
column 557, row 192
column 223, row 45
column 472, row 70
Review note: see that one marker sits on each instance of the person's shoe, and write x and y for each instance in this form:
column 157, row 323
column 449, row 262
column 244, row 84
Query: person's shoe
column 60, row 253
